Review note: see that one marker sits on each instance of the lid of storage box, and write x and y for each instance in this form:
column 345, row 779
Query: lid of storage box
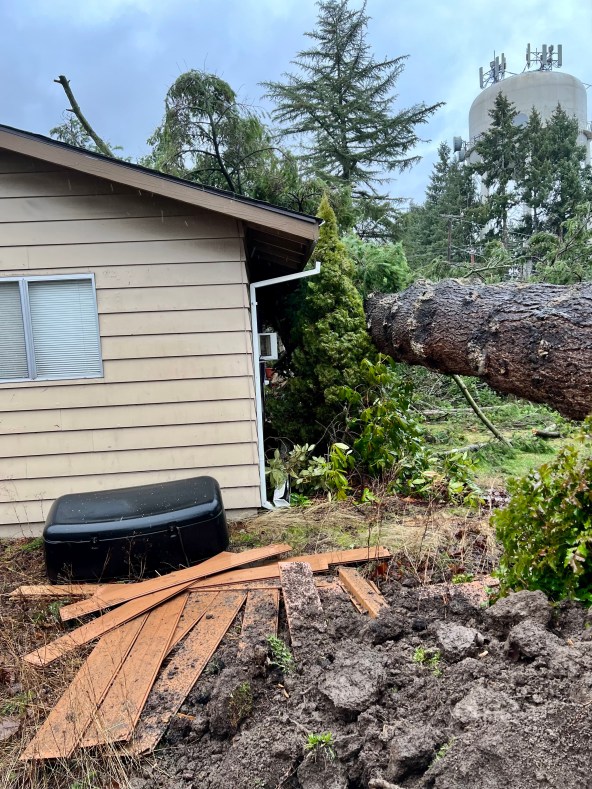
column 138, row 502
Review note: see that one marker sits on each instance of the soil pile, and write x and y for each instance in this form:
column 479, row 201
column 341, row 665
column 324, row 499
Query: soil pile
column 437, row 692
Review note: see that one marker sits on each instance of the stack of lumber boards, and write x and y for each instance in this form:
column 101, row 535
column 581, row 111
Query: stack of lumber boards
column 125, row 691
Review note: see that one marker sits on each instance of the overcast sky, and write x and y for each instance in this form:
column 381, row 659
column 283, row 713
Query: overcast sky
column 122, row 55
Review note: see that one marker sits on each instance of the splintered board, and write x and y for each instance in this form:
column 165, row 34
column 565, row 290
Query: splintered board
column 319, row 562
column 56, row 590
column 97, row 628
column 180, row 675
column 119, row 711
column 365, row 594
column 306, row 618
column 64, row 727
column 260, row 619
column 114, row 594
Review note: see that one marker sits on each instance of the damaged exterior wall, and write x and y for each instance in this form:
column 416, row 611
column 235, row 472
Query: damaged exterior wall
column 176, row 398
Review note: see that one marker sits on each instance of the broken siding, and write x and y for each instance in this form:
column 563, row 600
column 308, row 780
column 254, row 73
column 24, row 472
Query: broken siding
column 176, row 399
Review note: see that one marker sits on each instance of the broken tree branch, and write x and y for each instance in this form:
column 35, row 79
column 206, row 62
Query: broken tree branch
column 98, row 141
column 470, row 400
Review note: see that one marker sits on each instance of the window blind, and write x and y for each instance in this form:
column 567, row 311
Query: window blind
column 64, row 328
column 13, row 350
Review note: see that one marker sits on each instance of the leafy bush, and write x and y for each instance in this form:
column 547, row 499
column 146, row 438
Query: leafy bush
column 546, row 529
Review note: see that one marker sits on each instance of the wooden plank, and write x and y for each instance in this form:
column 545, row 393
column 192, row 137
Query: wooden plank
column 196, row 606
column 55, row 590
column 175, row 682
column 367, row 596
column 210, row 297
column 306, row 618
column 371, row 554
column 260, row 619
column 112, row 594
column 98, row 627
column 63, row 728
column 120, row 709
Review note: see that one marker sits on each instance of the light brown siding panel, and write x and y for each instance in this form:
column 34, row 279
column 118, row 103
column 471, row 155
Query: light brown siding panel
column 177, row 396
column 34, row 513
column 95, row 231
column 124, row 253
column 172, row 298
column 17, row 163
column 159, row 346
column 50, row 488
column 186, row 321
column 117, row 439
column 22, row 422
column 100, row 206
column 170, row 368
column 52, row 184
column 125, row 461
column 154, row 276
column 80, row 396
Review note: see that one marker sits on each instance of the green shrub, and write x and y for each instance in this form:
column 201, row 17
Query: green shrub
column 546, row 529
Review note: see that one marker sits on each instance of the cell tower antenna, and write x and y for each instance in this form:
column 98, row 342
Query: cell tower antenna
column 545, row 59
column 494, row 73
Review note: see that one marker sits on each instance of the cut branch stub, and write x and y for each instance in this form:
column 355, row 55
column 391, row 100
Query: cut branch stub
column 530, row 340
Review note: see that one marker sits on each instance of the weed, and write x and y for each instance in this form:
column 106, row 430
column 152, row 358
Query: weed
column 32, row 545
column 280, row 655
column 17, row 704
column 462, row 578
column 240, row 704
column 320, row 744
column 300, row 500
column 443, row 750
column 430, row 658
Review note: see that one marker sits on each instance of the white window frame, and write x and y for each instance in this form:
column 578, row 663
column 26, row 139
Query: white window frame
column 26, row 313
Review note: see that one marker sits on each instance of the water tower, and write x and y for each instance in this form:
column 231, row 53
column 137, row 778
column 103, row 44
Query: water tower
column 540, row 86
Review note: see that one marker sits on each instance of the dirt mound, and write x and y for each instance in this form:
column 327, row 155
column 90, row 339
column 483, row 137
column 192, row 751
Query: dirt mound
column 437, row 692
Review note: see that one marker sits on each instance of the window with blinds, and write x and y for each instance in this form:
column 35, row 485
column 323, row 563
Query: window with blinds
column 49, row 329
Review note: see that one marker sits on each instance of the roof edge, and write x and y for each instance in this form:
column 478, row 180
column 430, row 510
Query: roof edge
column 134, row 175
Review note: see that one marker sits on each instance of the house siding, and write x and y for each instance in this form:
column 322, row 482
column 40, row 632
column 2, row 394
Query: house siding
column 177, row 396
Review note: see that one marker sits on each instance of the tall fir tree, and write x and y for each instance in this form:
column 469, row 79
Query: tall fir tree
column 339, row 102
column 328, row 341
column 498, row 163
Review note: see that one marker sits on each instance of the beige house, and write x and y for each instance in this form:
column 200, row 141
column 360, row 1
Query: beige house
column 126, row 328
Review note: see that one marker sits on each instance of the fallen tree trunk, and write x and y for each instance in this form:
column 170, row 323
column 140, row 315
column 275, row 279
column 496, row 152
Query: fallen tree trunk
column 530, row 340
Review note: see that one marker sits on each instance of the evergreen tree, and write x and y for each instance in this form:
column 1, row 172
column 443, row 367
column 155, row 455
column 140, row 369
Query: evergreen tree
column 378, row 268
column 568, row 177
column 498, row 150
column 340, row 103
column 534, row 172
column 444, row 228
column 327, row 343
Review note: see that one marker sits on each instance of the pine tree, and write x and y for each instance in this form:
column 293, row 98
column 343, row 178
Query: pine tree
column 340, row 100
column 327, row 344
column 498, row 151
column 534, row 172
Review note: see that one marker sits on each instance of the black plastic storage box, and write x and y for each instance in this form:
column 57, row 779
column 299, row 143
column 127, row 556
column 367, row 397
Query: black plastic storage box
column 132, row 532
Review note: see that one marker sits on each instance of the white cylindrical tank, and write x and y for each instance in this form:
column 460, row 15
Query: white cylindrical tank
column 543, row 90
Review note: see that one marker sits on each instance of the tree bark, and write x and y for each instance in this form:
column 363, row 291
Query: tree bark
column 530, row 340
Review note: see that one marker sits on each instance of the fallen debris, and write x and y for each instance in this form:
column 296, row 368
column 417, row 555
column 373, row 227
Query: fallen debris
column 362, row 591
column 119, row 695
